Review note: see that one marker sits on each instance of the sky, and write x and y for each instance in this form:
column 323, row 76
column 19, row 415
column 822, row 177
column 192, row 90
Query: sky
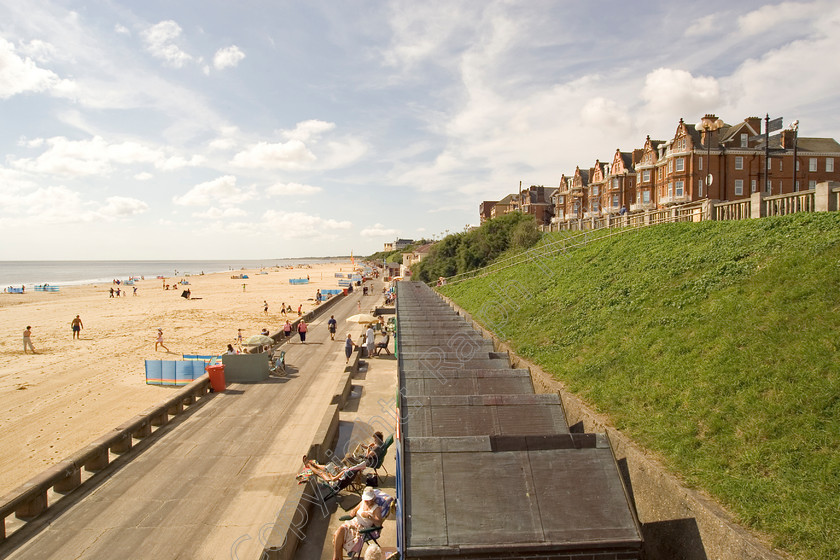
column 217, row 129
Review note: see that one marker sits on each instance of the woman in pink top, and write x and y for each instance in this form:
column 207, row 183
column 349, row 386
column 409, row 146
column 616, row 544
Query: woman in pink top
column 302, row 331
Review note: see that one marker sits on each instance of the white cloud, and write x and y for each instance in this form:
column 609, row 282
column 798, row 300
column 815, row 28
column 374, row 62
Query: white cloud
column 121, row 29
column 160, row 42
column 677, row 93
column 222, row 144
column 41, row 51
column 96, row 156
column 378, row 230
column 292, row 189
column 228, row 57
column 605, row 114
column 144, row 176
column 704, row 26
column 21, row 75
column 61, row 205
column 280, row 155
column 307, row 130
column 298, row 225
column 122, row 207
column 768, row 17
column 222, row 190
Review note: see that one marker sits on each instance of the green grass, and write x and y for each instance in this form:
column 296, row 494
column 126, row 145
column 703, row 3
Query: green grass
column 714, row 344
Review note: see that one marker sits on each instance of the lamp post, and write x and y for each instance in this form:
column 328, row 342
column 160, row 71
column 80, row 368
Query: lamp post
column 708, row 124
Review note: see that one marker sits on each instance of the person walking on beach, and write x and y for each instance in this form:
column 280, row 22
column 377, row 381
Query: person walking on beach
column 283, row 309
column 302, row 328
column 265, row 307
column 349, row 345
column 27, row 340
column 76, row 326
column 331, row 324
column 159, row 341
column 112, row 292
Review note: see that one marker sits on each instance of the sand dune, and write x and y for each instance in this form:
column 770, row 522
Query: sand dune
column 73, row 391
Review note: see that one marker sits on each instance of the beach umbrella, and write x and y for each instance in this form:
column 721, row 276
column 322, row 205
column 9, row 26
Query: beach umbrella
column 362, row 318
column 259, row 340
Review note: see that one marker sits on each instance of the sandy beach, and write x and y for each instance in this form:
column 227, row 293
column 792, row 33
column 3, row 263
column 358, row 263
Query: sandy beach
column 73, row 391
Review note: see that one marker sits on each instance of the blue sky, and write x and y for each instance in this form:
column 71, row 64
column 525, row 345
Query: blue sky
column 218, row 129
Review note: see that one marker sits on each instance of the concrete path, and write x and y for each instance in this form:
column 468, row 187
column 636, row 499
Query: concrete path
column 372, row 407
column 211, row 486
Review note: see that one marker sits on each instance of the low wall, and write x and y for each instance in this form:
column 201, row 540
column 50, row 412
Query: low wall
column 32, row 498
column 677, row 522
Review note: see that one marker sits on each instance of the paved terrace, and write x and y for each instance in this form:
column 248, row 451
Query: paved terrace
column 213, row 485
column 491, row 470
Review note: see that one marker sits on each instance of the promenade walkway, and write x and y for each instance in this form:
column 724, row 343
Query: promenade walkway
column 214, row 484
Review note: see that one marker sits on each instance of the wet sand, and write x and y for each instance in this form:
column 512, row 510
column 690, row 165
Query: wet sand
column 73, row 391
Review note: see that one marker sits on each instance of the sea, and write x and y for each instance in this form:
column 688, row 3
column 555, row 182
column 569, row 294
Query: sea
column 70, row 273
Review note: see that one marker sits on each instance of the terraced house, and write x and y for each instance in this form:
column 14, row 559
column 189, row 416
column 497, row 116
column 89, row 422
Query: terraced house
column 707, row 160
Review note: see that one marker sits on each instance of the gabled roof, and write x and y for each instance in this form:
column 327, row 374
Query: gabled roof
column 506, row 200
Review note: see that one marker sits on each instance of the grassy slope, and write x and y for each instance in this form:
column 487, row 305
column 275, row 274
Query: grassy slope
column 713, row 344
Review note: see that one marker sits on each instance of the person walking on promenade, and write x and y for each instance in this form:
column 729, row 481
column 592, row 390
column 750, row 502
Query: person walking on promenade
column 287, row 329
column 76, row 326
column 302, row 328
column 27, row 340
column 159, row 341
column 331, row 324
column 349, row 345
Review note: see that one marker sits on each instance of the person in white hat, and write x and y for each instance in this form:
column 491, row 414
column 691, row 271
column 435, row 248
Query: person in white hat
column 365, row 515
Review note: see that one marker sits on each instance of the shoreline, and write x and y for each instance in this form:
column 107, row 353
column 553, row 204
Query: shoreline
column 18, row 272
column 73, row 391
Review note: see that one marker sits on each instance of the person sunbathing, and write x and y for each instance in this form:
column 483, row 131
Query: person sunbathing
column 345, row 474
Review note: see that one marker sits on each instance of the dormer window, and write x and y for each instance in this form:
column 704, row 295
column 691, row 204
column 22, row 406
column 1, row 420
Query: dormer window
column 745, row 140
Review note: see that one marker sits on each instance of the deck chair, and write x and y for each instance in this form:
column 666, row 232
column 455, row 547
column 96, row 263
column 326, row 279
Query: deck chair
column 351, row 479
column 279, row 363
column 385, row 502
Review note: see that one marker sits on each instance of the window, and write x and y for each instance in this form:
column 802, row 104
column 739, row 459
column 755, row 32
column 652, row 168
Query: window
column 768, row 186
column 812, row 164
column 797, row 165
column 615, row 183
column 646, row 197
column 594, row 190
column 561, row 199
column 700, row 164
column 670, row 191
column 594, row 205
column 670, row 166
column 646, row 175
column 615, row 201
column 680, row 164
column 739, row 162
column 829, row 164
column 753, row 186
column 678, row 188
column 796, row 186
column 700, row 188
column 781, row 165
column 812, row 184
column 739, row 187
